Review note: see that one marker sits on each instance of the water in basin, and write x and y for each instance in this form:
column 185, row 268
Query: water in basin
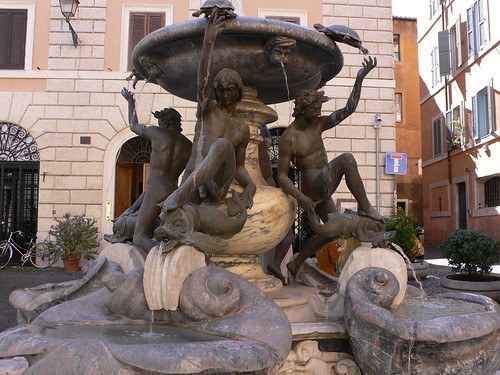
column 434, row 307
column 129, row 334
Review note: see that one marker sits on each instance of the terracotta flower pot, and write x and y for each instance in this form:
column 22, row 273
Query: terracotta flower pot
column 71, row 265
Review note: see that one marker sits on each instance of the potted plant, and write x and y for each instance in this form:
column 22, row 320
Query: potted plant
column 471, row 254
column 73, row 237
column 455, row 139
column 405, row 236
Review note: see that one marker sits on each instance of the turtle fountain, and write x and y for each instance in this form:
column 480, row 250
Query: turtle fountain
column 200, row 302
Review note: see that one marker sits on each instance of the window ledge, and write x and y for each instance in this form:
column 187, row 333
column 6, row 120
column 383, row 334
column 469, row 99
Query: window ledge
column 440, row 213
column 488, row 211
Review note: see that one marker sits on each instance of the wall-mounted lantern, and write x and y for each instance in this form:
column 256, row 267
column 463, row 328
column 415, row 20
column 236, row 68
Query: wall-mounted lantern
column 68, row 10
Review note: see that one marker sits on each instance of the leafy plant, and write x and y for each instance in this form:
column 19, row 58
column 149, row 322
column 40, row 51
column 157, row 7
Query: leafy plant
column 471, row 252
column 405, row 235
column 456, row 137
column 74, row 237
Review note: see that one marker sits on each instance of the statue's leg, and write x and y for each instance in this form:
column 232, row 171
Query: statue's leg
column 312, row 247
column 149, row 212
column 316, row 242
column 279, row 254
column 218, row 164
column 345, row 165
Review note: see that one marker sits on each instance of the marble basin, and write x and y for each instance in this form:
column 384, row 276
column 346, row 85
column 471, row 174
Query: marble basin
column 175, row 50
column 457, row 333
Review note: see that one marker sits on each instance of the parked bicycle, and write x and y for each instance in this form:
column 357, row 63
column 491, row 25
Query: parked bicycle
column 37, row 253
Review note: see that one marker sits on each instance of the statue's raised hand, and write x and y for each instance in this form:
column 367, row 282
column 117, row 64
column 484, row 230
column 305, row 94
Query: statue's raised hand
column 216, row 23
column 127, row 94
column 368, row 64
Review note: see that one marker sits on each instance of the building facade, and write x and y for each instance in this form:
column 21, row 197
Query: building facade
column 63, row 102
column 407, row 115
column 458, row 58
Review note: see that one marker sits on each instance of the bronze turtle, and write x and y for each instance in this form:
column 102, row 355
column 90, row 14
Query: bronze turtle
column 342, row 34
column 225, row 7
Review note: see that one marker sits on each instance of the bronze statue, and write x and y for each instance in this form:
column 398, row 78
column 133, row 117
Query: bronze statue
column 220, row 139
column 170, row 151
column 301, row 143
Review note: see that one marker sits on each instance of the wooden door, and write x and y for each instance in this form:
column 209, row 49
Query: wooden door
column 145, row 175
column 123, row 190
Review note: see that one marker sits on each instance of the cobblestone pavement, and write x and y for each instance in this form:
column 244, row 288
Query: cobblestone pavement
column 12, row 278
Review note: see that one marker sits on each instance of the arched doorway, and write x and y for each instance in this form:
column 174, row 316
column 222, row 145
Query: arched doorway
column 132, row 167
column 19, row 176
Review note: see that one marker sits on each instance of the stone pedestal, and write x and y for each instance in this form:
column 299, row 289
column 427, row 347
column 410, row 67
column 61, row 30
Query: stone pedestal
column 270, row 217
column 164, row 275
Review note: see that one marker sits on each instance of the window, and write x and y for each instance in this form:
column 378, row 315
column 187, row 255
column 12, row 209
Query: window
column 476, row 27
column 295, row 20
column 396, row 46
column 141, row 24
column 455, row 127
column 433, row 7
column 298, row 16
column 13, row 24
column 398, row 106
column 437, row 138
column 492, row 192
column 436, row 78
column 456, row 45
column 130, row 37
column 481, row 111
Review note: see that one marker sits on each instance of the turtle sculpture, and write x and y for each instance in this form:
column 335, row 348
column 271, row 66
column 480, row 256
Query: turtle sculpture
column 342, row 34
column 225, row 7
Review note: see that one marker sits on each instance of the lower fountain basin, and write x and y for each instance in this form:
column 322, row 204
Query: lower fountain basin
column 128, row 334
column 454, row 333
column 86, row 350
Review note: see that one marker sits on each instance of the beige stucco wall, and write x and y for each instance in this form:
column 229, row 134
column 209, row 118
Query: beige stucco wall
column 77, row 93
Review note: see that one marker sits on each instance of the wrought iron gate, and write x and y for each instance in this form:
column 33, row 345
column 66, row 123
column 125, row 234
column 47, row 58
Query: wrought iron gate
column 19, row 176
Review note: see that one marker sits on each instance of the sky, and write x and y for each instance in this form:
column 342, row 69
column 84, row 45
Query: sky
column 406, row 8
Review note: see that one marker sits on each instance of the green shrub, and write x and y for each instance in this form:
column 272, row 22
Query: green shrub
column 405, row 235
column 471, row 252
column 74, row 237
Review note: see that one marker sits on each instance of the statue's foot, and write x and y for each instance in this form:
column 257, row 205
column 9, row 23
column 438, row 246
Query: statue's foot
column 276, row 272
column 169, row 204
column 293, row 267
column 235, row 205
column 372, row 213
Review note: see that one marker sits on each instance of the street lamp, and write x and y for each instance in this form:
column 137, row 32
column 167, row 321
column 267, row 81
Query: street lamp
column 68, row 9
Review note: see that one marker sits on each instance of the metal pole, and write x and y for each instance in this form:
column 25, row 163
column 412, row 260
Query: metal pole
column 376, row 125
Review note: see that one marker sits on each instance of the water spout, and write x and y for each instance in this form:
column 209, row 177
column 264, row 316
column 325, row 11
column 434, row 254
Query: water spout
column 408, row 262
column 286, row 80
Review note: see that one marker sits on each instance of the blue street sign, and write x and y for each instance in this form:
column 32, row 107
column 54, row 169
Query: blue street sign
column 395, row 163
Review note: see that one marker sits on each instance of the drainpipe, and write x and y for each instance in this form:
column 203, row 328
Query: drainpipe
column 376, row 126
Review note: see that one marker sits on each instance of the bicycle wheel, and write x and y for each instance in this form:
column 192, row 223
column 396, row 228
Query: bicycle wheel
column 5, row 253
column 40, row 256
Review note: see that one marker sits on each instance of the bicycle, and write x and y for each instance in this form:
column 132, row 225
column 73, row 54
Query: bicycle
column 35, row 251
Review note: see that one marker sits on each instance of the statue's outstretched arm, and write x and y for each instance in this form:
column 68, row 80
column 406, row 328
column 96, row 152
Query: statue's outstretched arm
column 341, row 114
column 137, row 128
column 215, row 26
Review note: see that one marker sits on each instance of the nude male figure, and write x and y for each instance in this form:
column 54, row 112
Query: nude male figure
column 221, row 137
column 302, row 143
column 170, row 151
